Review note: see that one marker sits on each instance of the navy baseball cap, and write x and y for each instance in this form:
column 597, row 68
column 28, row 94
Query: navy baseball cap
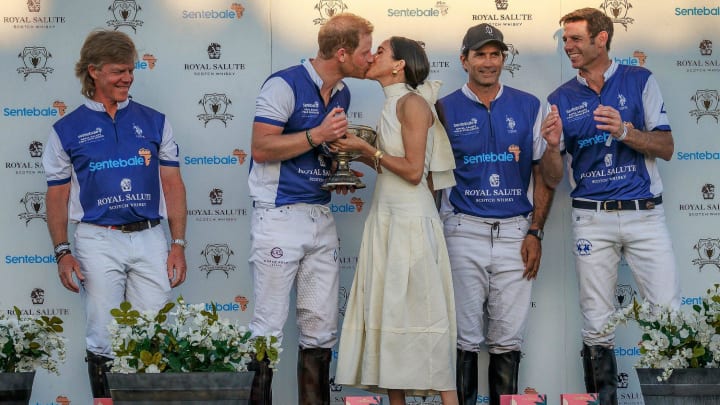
column 481, row 35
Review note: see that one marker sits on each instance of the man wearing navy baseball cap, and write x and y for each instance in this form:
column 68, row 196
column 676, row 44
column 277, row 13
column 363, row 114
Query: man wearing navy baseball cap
column 494, row 216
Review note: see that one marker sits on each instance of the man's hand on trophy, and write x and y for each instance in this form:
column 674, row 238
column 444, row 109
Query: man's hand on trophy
column 333, row 127
column 348, row 189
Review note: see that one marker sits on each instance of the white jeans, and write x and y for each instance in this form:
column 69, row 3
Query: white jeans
column 119, row 267
column 295, row 244
column 487, row 272
column 600, row 240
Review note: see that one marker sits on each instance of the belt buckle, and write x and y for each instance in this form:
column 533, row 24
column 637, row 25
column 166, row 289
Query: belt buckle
column 125, row 228
column 605, row 208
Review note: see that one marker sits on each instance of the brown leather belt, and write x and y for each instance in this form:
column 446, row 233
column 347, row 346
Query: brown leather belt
column 618, row 205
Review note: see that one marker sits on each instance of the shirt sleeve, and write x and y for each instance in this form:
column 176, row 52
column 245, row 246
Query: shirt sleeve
column 56, row 162
column 539, row 144
column 275, row 103
column 656, row 118
column 169, row 149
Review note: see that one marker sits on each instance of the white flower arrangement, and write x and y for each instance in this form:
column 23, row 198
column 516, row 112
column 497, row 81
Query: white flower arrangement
column 673, row 339
column 30, row 342
column 190, row 339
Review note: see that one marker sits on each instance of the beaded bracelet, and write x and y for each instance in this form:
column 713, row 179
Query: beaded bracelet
column 309, row 139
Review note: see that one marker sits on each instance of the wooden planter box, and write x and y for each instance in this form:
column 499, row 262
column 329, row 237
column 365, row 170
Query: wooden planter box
column 180, row 388
column 686, row 386
column 16, row 388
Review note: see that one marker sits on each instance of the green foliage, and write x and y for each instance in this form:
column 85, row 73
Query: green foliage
column 184, row 338
column 30, row 342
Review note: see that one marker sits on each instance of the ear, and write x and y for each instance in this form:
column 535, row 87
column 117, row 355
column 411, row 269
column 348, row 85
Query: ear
column 342, row 54
column 602, row 38
column 463, row 59
column 400, row 65
column 92, row 71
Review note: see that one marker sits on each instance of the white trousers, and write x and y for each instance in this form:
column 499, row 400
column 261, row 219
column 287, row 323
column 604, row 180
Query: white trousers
column 295, row 245
column 119, row 267
column 487, row 272
column 601, row 238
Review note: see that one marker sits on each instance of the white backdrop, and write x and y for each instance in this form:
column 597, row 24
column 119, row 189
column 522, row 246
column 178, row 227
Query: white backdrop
column 194, row 53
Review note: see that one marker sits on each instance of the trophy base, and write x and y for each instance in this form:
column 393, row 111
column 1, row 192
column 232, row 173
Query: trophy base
column 342, row 179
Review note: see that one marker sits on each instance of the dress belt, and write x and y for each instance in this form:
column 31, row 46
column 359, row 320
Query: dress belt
column 618, row 205
column 134, row 226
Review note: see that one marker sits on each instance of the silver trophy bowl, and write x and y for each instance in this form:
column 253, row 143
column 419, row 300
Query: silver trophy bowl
column 343, row 176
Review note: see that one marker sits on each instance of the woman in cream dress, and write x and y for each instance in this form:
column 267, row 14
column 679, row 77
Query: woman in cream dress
column 399, row 331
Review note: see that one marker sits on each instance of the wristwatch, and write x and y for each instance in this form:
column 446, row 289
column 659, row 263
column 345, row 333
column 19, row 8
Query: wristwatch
column 179, row 242
column 538, row 233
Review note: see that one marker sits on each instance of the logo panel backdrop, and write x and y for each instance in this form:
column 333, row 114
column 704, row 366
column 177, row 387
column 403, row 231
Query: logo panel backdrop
column 202, row 64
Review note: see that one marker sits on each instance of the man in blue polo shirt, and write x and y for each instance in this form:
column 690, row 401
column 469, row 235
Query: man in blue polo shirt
column 293, row 236
column 112, row 167
column 614, row 125
column 494, row 216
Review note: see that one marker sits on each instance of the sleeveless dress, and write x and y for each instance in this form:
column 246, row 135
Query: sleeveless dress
column 399, row 330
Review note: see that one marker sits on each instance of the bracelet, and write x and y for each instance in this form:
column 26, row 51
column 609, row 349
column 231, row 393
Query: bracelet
column 61, row 246
column 59, row 255
column 376, row 158
column 309, row 139
column 624, row 134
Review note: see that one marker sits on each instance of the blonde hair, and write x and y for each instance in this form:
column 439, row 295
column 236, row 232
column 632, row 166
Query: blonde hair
column 103, row 47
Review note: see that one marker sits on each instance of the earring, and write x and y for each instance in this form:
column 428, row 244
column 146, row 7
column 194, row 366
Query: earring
column 394, row 72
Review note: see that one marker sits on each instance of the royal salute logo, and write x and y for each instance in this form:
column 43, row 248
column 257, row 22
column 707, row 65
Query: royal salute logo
column 34, row 204
column 126, row 185
column 37, row 296
column 217, row 258
column 705, row 47
column 624, row 294
column 510, row 64
column 216, row 196
column 705, row 208
column 703, row 63
column 32, row 21
column 504, row 16
column 706, row 103
column 215, row 106
column 30, row 166
column 214, row 68
column 35, row 60
column 623, row 380
column 35, row 149
column 33, row 6
column 708, row 191
column 617, row 10
column 708, row 252
column 327, row 9
column 38, row 299
column 214, row 50
column 125, row 14
column 215, row 212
